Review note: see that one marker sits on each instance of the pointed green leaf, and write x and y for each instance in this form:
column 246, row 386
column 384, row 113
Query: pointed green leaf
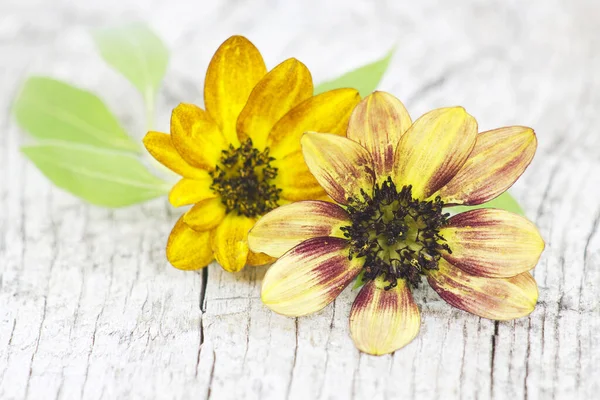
column 102, row 177
column 136, row 52
column 364, row 79
column 359, row 281
column 53, row 110
column 505, row 202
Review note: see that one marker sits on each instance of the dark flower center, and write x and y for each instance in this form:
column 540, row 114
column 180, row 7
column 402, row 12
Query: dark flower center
column 243, row 180
column 397, row 234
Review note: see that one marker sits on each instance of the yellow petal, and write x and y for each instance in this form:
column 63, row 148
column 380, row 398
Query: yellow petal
column 188, row 249
column 498, row 159
column 287, row 226
column 196, row 136
column 383, row 321
column 309, row 276
column 341, row 166
column 229, row 241
column 206, row 214
column 283, row 88
column 433, row 149
column 494, row 243
column 327, row 112
column 493, row 298
column 295, row 180
column 234, row 70
column 190, row 191
column 377, row 123
column 258, row 259
column 159, row 145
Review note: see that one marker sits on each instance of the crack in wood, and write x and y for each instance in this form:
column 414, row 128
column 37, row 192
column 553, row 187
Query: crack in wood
column 291, row 380
column 462, row 361
column 151, row 363
column 327, row 344
column 493, row 357
column 9, row 347
column 586, row 256
column 211, row 376
column 527, row 361
column 202, row 307
column 37, row 345
column 354, row 375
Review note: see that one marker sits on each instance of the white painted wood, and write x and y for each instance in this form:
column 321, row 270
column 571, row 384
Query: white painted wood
column 89, row 307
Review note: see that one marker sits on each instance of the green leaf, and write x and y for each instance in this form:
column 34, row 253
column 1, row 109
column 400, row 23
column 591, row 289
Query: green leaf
column 505, row 202
column 53, row 110
column 102, row 177
column 137, row 53
column 364, row 79
column 359, row 280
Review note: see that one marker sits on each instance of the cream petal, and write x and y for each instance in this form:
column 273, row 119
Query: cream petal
column 493, row 243
column 377, row 123
column 433, row 150
column 498, row 159
column 287, row 226
column 493, row 298
column 342, row 167
column 383, row 321
column 309, row 276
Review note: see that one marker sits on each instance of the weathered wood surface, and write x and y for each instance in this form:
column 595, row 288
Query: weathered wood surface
column 90, row 308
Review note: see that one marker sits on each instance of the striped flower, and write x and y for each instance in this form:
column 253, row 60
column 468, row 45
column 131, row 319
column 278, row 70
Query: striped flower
column 240, row 157
column 392, row 180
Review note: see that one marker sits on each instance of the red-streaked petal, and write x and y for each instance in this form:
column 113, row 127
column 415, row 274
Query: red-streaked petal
column 498, row 159
column 493, row 298
column 283, row 88
column 342, row 166
column 309, row 276
column 494, row 243
column 234, row 70
column 383, row 321
column 377, row 123
column 433, row 150
column 287, row 226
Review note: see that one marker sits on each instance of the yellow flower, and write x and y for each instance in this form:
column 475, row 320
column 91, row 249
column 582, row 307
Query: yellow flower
column 241, row 157
column 391, row 178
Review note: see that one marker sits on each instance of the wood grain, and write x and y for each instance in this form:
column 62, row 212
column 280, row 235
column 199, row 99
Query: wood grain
column 89, row 307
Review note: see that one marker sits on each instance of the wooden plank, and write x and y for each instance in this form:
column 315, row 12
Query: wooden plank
column 89, row 307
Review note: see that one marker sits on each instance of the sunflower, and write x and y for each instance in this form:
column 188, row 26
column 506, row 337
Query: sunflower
column 240, row 157
column 392, row 180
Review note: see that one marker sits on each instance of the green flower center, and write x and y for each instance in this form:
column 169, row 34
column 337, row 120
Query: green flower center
column 397, row 234
column 243, row 180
